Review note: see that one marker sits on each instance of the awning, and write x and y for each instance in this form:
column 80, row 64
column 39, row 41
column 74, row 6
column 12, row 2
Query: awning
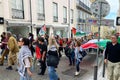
column 11, row 23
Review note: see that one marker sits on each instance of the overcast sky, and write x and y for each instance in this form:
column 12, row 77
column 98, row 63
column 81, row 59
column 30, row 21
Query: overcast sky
column 113, row 9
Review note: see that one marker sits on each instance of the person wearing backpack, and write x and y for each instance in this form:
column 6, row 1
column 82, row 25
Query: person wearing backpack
column 52, row 59
column 78, row 57
column 72, row 55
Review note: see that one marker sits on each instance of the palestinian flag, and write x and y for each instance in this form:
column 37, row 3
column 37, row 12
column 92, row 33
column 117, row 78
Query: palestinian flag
column 42, row 30
column 94, row 43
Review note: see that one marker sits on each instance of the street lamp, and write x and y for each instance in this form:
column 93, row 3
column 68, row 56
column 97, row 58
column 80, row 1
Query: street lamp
column 30, row 2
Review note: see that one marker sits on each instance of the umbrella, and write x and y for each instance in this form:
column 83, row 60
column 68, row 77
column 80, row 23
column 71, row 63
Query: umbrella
column 95, row 44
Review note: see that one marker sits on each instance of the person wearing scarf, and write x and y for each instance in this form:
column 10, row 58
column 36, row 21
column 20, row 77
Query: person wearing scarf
column 24, row 60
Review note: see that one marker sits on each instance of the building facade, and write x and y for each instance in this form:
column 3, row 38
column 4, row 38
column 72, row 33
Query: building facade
column 83, row 12
column 59, row 16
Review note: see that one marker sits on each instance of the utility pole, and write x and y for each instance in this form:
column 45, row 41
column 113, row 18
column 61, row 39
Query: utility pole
column 96, row 66
column 99, row 28
column 30, row 2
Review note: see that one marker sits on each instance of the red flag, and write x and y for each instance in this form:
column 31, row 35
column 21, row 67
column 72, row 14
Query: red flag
column 73, row 30
column 38, row 54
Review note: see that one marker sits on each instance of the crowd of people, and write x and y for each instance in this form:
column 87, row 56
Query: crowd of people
column 20, row 52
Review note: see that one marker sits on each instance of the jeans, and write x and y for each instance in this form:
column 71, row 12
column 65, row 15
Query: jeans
column 60, row 49
column 26, row 77
column 77, row 65
column 43, row 67
column 52, row 73
column 2, row 51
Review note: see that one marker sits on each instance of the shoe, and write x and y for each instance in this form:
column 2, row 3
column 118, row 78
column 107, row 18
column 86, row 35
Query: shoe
column 16, row 69
column 9, row 68
column 70, row 64
column 13, row 64
column 58, row 78
column 40, row 74
column 77, row 73
column 1, row 64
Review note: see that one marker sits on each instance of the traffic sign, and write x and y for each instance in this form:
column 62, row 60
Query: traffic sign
column 100, row 7
column 118, row 21
column 1, row 20
column 104, row 22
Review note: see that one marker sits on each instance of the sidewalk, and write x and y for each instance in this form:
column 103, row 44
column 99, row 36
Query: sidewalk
column 100, row 72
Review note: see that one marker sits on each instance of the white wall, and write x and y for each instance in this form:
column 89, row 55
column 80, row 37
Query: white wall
column 7, row 12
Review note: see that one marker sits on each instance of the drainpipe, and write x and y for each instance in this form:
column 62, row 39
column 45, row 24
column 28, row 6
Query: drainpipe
column 31, row 17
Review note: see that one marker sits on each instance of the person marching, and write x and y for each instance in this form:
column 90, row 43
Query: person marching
column 112, row 59
column 78, row 57
column 13, row 50
column 25, row 60
column 43, row 51
column 53, row 51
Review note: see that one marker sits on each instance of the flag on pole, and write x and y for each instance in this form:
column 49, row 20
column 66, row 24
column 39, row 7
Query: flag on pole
column 42, row 30
column 73, row 30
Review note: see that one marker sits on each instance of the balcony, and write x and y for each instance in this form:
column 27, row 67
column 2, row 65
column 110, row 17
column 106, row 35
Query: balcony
column 17, row 14
column 41, row 16
column 64, row 20
column 81, row 20
column 55, row 18
column 83, row 6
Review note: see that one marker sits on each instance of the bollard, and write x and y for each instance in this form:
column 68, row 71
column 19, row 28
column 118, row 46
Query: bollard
column 103, row 75
column 95, row 72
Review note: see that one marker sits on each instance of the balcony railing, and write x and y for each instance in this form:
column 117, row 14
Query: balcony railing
column 17, row 14
column 64, row 20
column 81, row 20
column 55, row 18
column 41, row 16
column 84, row 6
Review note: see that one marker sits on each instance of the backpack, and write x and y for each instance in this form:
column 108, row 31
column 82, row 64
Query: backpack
column 83, row 53
column 67, row 51
column 52, row 60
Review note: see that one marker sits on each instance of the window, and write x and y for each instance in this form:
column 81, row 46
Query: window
column 55, row 12
column 64, row 14
column 17, row 9
column 71, row 15
column 41, row 12
column 78, row 17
